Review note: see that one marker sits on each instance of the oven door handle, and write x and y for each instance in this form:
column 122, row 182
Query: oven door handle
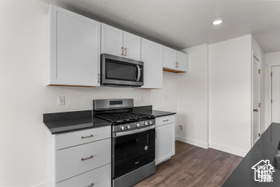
column 118, row 134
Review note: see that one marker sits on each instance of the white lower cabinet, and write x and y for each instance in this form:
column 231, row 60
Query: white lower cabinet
column 83, row 161
column 165, row 138
column 100, row 177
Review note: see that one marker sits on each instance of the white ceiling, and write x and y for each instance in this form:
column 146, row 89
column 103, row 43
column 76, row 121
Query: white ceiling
column 185, row 23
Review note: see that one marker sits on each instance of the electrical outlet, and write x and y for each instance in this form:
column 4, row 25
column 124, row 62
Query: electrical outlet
column 180, row 127
column 61, row 100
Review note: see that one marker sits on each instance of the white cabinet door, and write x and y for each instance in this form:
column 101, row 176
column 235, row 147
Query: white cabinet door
column 165, row 142
column 112, row 40
column 151, row 55
column 132, row 46
column 182, row 60
column 74, row 49
column 169, row 58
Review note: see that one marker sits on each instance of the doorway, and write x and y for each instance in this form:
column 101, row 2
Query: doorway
column 256, row 100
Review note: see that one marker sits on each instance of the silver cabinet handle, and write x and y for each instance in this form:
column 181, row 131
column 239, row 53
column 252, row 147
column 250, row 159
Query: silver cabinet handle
column 91, row 185
column 90, row 136
column 165, row 120
column 83, row 159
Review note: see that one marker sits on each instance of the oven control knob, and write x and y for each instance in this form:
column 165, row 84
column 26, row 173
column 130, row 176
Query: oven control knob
column 137, row 125
column 150, row 122
column 128, row 126
column 122, row 128
column 146, row 123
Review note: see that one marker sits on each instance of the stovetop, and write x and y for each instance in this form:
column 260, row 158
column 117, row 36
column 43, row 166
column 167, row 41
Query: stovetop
column 125, row 117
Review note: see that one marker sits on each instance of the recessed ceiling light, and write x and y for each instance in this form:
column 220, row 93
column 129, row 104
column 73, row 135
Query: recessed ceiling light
column 217, row 21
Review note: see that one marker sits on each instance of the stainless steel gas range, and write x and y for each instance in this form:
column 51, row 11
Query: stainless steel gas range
column 133, row 140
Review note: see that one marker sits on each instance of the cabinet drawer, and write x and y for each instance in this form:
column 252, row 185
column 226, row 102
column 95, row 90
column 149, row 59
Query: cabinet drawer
column 81, row 137
column 100, row 177
column 76, row 160
column 165, row 120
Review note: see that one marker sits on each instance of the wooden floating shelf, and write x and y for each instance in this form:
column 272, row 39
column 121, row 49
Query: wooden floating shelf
column 173, row 70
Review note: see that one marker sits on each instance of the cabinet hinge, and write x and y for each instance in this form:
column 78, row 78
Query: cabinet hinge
column 271, row 101
column 259, row 71
column 98, row 78
column 259, row 134
column 259, row 105
column 271, row 74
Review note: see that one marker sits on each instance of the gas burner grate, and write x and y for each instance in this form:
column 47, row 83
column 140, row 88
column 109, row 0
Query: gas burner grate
column 124, row 117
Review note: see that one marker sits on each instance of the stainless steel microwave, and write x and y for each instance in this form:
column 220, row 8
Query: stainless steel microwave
column 119, row 71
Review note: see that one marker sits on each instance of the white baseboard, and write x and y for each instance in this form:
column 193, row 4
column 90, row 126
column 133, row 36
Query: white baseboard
column 204, row 145
column 42, row 184
column 227, row 149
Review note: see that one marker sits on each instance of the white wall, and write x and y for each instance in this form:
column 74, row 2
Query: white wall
column 24, row 97
column 192, row 103
column 230, row 95
column 272, row 58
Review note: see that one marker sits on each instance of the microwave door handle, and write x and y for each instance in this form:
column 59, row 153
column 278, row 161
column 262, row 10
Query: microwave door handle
column 139, row 73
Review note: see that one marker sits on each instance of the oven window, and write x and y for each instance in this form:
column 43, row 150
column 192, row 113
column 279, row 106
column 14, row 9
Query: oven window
column 133, row 151
column 116, row 70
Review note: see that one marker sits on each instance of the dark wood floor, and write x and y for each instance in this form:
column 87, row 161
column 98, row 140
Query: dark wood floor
column 192, row 166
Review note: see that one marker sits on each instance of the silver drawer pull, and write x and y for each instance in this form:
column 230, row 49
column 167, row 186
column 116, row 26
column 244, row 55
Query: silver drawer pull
column 83, row 159
column 90, row 136
column 165, row 120
column 91, row 185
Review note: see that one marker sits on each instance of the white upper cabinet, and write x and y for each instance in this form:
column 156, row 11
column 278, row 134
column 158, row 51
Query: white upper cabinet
column 174, row 61
column 112, row 40
column 169, row 57
column 74, row 49
column 182, row 60
column 119, row 43
column 132, row 46
column 152, row 57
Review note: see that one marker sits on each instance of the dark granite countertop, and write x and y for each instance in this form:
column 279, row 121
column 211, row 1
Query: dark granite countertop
column 158, row 113
column 71, row 121
column 264, row 149
column 148, row 110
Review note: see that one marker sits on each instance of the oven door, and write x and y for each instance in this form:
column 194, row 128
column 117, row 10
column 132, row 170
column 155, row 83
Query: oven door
column 121, row 71
column 132, row 151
